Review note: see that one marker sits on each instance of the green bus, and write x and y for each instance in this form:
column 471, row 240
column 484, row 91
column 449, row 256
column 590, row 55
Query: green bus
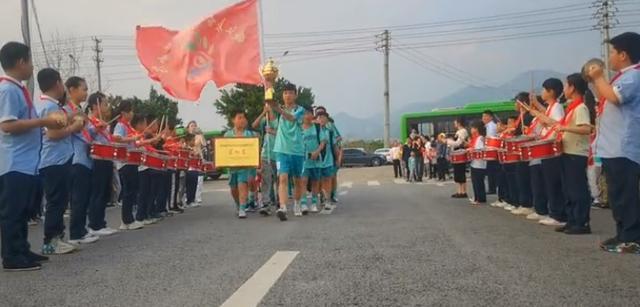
column 440, row 120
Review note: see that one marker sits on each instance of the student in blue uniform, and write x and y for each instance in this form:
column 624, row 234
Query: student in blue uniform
column 240, row 178
column 20, row 142
column 617, row 141
column 55, row 162
column 315, row 141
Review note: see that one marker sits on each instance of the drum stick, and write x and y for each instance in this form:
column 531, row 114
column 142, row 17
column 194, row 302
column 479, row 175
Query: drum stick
column 523, row 105
column 113, row 119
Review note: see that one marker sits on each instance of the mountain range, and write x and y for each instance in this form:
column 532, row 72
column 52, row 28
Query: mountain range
column 372, row 127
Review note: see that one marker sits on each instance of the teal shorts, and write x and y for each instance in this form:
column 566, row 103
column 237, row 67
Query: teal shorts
column 241, row 176
column 312, row 173
column 289, row 164
column 328, row 172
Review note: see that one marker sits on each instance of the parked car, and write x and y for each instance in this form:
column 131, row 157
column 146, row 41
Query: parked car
column 359, row 157
column 386, row 152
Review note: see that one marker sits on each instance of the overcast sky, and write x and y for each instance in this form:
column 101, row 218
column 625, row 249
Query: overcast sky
column 347, row 83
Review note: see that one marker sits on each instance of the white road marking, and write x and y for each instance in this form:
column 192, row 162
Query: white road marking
column 343, row 193
column 400, row 181
column 373, row 183
column 440, row 184
column 216, row 190
column 256, row 287
column 347, row 184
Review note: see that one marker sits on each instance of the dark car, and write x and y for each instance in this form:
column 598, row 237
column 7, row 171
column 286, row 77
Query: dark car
column 359, row 157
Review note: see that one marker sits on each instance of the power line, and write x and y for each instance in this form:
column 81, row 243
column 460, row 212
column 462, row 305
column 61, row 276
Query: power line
column 35, row 15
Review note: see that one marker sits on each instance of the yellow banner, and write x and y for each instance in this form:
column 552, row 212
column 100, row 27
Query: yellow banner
column 237, row 152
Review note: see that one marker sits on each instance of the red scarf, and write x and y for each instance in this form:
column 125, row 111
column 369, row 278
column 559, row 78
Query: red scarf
column 565, row 120
column 97, row 122
column 535, row 121
column 85, row 133
column 472, row 143
column 25, row 93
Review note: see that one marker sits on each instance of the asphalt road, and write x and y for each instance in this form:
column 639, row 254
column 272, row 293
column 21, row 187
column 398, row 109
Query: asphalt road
column 387, row 244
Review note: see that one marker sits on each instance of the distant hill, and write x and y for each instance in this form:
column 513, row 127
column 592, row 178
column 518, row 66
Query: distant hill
column 372, row 127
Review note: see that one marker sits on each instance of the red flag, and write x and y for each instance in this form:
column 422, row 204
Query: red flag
column 223, row 48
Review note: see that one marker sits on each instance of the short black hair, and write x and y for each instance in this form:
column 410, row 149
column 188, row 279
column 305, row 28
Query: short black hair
column 138, row 118
column 555, row 85
column 48, row 78
column 150, row 117
column 12, row 52
column 488, row 112
column 308, row 109
column 629, row 43
column 235, row 113
column 290, row 87
column 522, row 97
column 576, row 80
column 460, row 121
column 511, row 117
column 73, row 82
column 480, row 127
column 125, row 106
column 93, row 99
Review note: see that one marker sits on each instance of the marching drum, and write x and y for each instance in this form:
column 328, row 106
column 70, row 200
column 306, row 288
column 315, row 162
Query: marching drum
column 195, row 163
column 506, row 157
column 184, row 153
column 459, row 157
column 543, row 149
column 154, row 161
column 182, row 164
column 207, row 167
column 490, row 154
column 108, row 152
column 135, row 157
column 513, row 144
column 494, row 142
column 476, row 155
column 172, row 163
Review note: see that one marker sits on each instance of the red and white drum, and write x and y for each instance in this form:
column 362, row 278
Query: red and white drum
column 476, row 155
column 184, row 153
column 207, row 167
column 543, row 149
column 513, row 144
column 195, row 163
column 459, row 157
column 135, row 157
column 154, row 161
column 172, row 163
column 494, row 142
column 108, row 152
column 182, row 164
column 506, row 157
column 490, row 154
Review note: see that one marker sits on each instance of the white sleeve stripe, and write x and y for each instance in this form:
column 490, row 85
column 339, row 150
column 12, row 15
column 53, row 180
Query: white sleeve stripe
column 616, row 91
column 7, row 119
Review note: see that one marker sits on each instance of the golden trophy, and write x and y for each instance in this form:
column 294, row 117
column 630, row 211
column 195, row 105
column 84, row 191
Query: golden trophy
column 591, row 65
column 269, row 72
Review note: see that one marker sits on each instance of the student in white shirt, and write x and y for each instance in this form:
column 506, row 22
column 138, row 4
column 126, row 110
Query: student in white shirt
column 478, row 166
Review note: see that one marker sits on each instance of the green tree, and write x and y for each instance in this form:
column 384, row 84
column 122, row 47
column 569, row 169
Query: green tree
column 250, row 98
column 157, row 105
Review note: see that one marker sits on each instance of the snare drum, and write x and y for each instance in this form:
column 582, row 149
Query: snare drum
column 507, row 157
column 184, row 153
column 207, row 167
column 182, row 164
column 476, row 155
column 135, row 157
column 459, row 157
column 172, row 163
column 513, row 144
column 108, row 152
column 490, row 154
column 543, row 149
column 154, row 161
column 494, row 142
column 195, row 163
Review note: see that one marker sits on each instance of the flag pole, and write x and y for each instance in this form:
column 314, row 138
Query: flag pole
column 261, row 31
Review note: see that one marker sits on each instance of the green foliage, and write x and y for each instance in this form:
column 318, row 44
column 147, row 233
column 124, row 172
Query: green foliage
column 368, row 145
column 157, row 105
column 250, row 98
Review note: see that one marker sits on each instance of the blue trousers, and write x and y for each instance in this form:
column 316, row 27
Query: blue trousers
column 538, row 189
column 623, row 179
column 576, row 190
column 100, row 193
column 523, row 182
column 477, row 181
column 16, row 195
column 56, row 191
column 80, row 195
column 129, row 180
column 552, row 169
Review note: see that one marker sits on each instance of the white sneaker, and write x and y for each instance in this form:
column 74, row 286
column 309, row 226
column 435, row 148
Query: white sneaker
column 58, row 247
column 102, row 232
column 551, row 222
column 133, row 226
column 305, row 209
column 523, row 211
column 296, row 209
column 496, row 204
column 242, row 213
column 536, row 217
column 196, row 205
column 314, row 208
column 509, row 207
column 87, row 239
column 147, row 222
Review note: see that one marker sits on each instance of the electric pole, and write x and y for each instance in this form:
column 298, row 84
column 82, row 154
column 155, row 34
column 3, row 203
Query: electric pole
column 385, row 51
column 26, row 36
column 98, row 59
column 605, row 14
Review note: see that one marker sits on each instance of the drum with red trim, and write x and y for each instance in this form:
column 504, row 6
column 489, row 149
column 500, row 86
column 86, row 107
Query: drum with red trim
column 490, row 154
column 182, row 164
column 476, row 155
column 543, row 149
column 154, row 161
column 108, row 151
column 207, row 167
column 513, row 144
column 135, row 157
column 184, row 153
column 459, row 157
column 195, row 163
column 494, row 142
column 172, row 163
column 506, row 157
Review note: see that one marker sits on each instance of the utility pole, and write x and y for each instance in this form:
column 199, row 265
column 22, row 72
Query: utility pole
column 26, row 36
column 98, row 59
column 605, row 13
column 385, row 50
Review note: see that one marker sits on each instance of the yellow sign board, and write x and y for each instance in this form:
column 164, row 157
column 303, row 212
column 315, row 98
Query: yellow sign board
column 236, row 152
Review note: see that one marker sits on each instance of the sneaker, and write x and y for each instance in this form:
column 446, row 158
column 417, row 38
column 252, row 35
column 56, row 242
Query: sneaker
column 628, row 248
column 133, row 226
column 102, row 232
column 561, row 228
column 334, row 199
column 196, row 205
column 32, row 222
column 147, row 222
column 282, row 214
column 296, row 209
column 496, row 204
column 509, row 207
column 21, row 266
column 610, row 245
column 57, row 247
column 522, row 211
column 33, row 257
column 314, row 208
column 549, row 221
column 328, row 206
column 305, row 209
column 578, row 230
column 176, row 210
column 242, row 213
column 265, row 211
column 87, row 239
column 536, row 217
